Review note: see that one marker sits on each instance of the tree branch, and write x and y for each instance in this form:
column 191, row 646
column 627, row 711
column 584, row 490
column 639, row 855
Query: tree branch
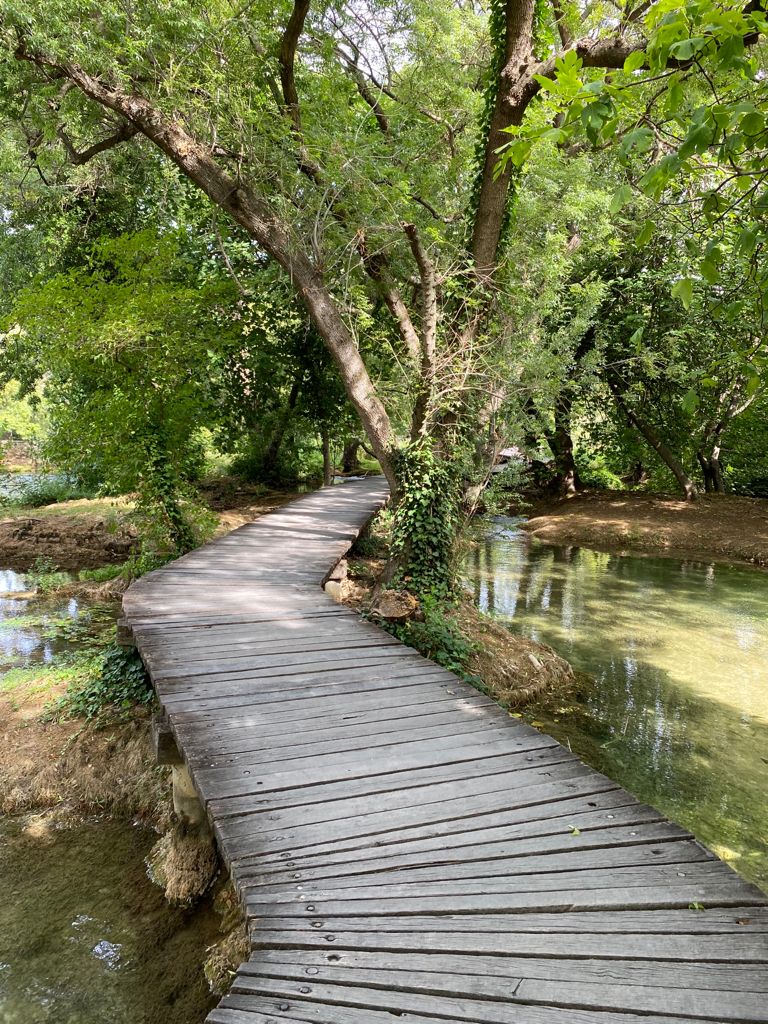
column 377, row 268
column 288, row 45
column 252, row 212
column 125, row 132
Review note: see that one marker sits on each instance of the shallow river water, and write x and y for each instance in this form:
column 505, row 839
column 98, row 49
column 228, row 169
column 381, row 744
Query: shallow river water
column 674, row 700
column 85, row 937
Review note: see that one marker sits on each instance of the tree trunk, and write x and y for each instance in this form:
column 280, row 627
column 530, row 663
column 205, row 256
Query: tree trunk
column 665, row 453
column 257, row 218
column 272, row 450
column 712, row 471
column 509, row 109
column 560, row 442
column 350, row 459
column 327, row 460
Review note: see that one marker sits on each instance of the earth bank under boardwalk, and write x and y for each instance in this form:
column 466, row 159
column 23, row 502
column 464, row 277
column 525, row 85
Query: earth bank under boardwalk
column 722, row 528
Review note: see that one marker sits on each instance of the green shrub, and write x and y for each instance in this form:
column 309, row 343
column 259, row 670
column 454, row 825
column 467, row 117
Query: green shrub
column 102, row 574
column 439, row 638
column 596, row 475
column 45, row 575
column 118, row 679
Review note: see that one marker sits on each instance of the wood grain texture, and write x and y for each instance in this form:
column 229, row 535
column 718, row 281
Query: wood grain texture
column 403, row 847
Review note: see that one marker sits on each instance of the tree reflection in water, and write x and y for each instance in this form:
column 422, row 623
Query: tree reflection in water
column 674, row 700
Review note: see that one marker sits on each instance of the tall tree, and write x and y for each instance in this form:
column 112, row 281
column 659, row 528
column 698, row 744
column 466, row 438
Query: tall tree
column 349, row 144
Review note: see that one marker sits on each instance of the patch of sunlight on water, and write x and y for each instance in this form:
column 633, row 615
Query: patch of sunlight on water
column 676, row 704
column 34, row 628
column 85, row 938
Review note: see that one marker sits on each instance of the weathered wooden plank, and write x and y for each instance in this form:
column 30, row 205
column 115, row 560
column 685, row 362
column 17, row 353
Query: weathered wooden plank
column 747, row 920
column 437, row 795
column 339, row 717
column 363, row 680
column 583, row 860
column 449, row 1006
column 527, row 753
column 529, row 806
column 600, row 987
column 324, row 866
column 654, row 973
column 669, row 895
column 536, row 785
column 235, row 1009
column 726, row 947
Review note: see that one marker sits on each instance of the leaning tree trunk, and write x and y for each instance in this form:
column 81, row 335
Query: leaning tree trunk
column 665, row 453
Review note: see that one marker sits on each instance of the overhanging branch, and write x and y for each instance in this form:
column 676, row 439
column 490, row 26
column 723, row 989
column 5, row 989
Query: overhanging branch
column 76, row 157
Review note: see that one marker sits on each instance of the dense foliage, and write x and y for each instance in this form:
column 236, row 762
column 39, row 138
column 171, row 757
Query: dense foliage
column 448, row 228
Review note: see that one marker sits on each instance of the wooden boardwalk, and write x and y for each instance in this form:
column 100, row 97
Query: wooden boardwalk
column 404, row 849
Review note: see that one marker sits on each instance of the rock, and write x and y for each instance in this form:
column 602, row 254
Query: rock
column 395, row 606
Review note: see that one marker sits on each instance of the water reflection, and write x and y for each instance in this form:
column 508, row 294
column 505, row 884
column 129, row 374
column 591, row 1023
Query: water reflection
column 27, row 624
column 676, row 706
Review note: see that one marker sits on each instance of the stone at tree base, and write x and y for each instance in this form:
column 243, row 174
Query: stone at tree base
column 395, row 606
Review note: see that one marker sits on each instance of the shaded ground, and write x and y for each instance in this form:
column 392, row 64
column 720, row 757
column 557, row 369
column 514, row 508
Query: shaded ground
column 90, row 533
column 720, row 528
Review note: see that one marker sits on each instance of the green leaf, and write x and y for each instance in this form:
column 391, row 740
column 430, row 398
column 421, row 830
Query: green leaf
column 620, row 198
column 686, row 48
column 634, row 61
column 690, row 402
column 646, row 233
column 683, row 290
column 753, row 383
column 752, row 123
column 709, row 271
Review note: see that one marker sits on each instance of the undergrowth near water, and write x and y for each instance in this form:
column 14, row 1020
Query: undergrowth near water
column 440, row 638
column 116, row 678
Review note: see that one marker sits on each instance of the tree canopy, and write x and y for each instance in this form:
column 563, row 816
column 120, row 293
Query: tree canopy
column 468, row 224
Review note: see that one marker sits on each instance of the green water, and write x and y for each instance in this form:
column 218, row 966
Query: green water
column 86, row 938
column 674, row 703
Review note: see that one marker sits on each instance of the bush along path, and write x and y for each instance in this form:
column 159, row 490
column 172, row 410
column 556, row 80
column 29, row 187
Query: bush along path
column 400, row 844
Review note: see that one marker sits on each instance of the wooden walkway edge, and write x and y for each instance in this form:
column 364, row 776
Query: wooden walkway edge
column 403, row 848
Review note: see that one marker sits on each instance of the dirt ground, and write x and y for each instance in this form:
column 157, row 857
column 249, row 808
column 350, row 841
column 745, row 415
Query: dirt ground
column 718, row 528
column 16, row 457
column 75, row 767
column 90, row 533
column 71, row 535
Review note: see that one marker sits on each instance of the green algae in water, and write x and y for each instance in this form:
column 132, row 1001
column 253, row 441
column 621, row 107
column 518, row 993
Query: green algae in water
column 86, row 938
column 674, row 701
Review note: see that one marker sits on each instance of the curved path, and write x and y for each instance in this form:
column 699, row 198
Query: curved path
column 403, row 848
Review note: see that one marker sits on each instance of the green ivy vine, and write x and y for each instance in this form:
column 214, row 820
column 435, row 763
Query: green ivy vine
column 425, row 520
